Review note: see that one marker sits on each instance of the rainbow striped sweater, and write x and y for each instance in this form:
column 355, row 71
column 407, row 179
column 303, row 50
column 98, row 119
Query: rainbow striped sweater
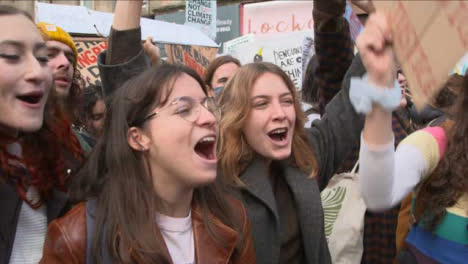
column 387, row 176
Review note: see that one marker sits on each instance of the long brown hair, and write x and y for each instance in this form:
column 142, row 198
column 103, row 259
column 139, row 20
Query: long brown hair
column 43, row 150
column 449, row 181
column 234, row 154
column 118, row 176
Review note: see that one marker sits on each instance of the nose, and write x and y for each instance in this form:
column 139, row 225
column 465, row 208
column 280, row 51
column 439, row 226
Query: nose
column 205, row 118
column 62, row 61
column 37, row 72
column 278, row 112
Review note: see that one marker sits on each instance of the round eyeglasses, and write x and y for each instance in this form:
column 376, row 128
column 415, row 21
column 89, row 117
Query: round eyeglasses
column 189, row 108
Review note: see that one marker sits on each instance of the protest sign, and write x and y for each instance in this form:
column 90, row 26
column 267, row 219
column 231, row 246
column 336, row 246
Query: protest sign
column 227, row 22
column 284, row 50
column 308, row 50
column 273, row 17
column 195, row 57
column 94, row 23
column 421, row 31
column 201, row 14
column 88, row 51
column 230, row 46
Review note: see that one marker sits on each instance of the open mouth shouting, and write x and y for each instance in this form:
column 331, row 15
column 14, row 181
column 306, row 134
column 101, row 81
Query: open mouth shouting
column 206, row 148
column 279, row 136
column 31, row 99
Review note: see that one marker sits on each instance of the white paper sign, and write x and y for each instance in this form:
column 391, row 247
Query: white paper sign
column 231, row 45
column 94, row 23
column 284, row 50
column 308, row 50
column 201, row 14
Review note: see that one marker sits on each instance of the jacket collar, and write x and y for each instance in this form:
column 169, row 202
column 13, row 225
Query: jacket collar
column 207, row 249
column 56, row 205
column 257, row 183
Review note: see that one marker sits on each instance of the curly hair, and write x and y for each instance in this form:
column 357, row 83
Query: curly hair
column 444, row 187
column 72, row 101
column 42, row 163
column 43, row 155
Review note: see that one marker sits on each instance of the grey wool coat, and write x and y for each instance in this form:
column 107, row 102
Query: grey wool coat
column 331, row 138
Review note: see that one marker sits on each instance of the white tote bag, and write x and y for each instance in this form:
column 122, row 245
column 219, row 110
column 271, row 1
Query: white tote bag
column 344, row 209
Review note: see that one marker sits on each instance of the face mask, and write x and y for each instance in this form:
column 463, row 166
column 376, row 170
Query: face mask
column 218, row 90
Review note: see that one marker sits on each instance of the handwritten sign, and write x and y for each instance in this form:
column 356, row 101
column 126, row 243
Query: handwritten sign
column 273, row 17
column 88, row 51
column 201, row 14
column 230, row 46
column 290, row 60
column 421, row 30
column 284, row 50
column 308, row 50
column 195, row 57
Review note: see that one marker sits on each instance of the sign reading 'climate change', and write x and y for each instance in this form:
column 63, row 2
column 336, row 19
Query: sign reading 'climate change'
column 201, row 14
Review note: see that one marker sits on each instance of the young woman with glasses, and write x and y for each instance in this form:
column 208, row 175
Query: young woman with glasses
column 155, row 197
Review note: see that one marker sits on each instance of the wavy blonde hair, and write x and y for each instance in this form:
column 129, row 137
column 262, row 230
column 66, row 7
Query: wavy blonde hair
column 234, row 153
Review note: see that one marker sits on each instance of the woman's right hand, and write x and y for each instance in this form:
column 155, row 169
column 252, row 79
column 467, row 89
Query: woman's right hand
column 375, row 48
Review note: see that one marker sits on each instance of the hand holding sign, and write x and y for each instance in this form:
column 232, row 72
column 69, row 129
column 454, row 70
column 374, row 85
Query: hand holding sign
column 152, row 51
column 421, row 30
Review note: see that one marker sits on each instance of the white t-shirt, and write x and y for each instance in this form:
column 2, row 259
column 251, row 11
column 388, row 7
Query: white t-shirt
column 178, row 235
column 30, row 232
column 31, row 228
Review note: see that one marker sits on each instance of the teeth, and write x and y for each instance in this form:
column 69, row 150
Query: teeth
column 279, row 131
column 207, row 139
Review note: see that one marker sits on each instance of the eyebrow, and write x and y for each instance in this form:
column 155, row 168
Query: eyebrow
column 57, row 49
column 223, row 80
column 17, row 44
column 20, row 45
column 267, row 96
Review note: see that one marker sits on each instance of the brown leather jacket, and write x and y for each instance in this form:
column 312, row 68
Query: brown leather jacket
column 66, row 239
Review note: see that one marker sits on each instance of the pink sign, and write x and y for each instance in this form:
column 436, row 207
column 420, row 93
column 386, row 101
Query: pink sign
column 276, row 17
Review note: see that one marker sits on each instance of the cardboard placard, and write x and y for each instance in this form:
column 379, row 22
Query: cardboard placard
column 88, row 51
column 429, row 37
column 195, row 57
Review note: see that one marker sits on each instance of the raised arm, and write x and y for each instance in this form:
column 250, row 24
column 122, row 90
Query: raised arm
column 379, row 165
column 125, row 56
column 333, row 51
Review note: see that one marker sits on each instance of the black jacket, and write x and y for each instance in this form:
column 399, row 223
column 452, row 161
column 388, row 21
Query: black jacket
column 10, row 204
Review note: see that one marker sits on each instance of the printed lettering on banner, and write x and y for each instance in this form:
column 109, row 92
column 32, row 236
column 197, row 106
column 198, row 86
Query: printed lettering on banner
column 88, row 51
column 195, row 57
column 273, row 17
column 201, row 14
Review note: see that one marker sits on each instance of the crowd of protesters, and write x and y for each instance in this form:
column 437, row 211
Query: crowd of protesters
column 161, row 165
